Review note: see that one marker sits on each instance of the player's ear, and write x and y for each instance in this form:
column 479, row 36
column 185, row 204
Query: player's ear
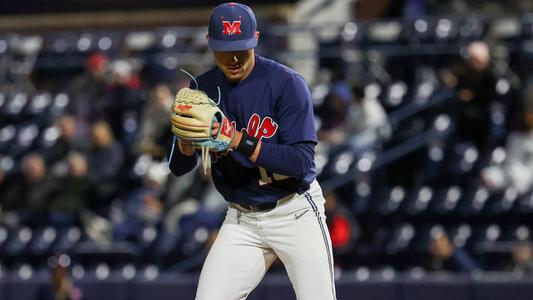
column 257, row 33
column 207, row 36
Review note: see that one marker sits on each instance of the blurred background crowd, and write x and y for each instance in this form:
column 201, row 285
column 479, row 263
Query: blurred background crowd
column 424, row 112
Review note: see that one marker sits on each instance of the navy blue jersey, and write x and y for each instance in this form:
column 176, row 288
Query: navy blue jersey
column 274, row 104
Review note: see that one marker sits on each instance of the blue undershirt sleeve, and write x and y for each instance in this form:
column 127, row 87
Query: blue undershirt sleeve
column 294, row 160
column 178, row 163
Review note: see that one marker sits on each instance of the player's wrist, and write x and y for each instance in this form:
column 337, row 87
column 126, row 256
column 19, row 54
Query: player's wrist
column 237, row 136
column 247, row 144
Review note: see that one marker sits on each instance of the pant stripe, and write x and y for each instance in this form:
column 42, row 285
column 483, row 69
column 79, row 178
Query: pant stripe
column 330, row 260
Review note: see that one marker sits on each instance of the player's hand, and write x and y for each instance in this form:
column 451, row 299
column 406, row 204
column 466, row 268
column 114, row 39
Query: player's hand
column 236, row 138
column 214, row 128
column 186, row 148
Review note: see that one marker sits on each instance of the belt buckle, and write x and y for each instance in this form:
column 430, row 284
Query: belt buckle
column 244, row 208
column 253, row 207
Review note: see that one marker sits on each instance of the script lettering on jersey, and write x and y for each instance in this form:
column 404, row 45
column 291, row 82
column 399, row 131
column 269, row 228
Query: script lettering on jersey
column 258, row 128
column 184, row 108
column 231, row 28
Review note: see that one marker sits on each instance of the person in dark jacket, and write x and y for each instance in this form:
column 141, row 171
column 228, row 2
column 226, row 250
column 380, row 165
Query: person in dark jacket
column 105, row 159
column 26, row 194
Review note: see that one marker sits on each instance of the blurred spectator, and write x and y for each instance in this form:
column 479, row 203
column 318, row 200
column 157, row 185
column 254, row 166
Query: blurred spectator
column 193, row 221
column 523, row 258
column 194, row 262
column 517, row 168
column 366, row 122
column 31, row 189
column 332, row 113
column 195, row 229
column 61, row 286
column 123, row 102
column 342, row 227
column 106, row 155
column 349, row 117
column 73, row 189
column 475, row 84
column 143, row 206
column 446, row 256
column 88, row 89
column 154, row 134
column 200, row 195
column 105, row 159
column 68, row 141
column 177, row 188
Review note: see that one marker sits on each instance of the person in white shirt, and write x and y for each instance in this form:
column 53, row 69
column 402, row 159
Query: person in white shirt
column 366, row 121
column 516, row 170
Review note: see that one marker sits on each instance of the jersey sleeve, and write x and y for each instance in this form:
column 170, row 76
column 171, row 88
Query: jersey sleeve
column 296, row 160
column 295, row 114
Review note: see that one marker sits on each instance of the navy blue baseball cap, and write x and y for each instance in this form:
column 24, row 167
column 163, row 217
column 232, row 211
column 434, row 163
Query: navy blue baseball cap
column 232, row 27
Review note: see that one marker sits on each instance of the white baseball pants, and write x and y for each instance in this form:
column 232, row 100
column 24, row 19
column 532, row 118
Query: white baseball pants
column 249, row 242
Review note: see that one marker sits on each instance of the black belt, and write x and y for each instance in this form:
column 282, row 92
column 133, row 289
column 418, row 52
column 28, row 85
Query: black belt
column 258, row 207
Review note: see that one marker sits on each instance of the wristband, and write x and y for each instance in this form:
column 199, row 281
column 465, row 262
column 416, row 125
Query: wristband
column 247, row 144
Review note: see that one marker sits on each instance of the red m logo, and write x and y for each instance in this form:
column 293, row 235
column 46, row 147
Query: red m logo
column 231, row 28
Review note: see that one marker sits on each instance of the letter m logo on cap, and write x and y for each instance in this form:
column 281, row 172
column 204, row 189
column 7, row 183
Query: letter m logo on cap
column 231, row 28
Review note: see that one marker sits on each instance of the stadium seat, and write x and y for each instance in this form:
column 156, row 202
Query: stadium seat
column 39, row 103
column 485, row 236
column 7, row 134
column 392, row 200
column 447, row 200
column 16, row 246
column 419, row 200
column 474, row 201
column 66, row 239
column 61, row 101
column 460, row 234
column 400, row 239
column 471, row 28
column 41, row 243
column 4, row 236
column 502, row 202
column 396, row 93
column 16, row 104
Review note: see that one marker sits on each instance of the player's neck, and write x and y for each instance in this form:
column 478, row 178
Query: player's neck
column 250, row 69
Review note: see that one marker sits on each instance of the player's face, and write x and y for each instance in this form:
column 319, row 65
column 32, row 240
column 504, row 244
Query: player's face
column 236, row 65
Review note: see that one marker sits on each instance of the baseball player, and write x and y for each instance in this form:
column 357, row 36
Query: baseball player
column 260, row 139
